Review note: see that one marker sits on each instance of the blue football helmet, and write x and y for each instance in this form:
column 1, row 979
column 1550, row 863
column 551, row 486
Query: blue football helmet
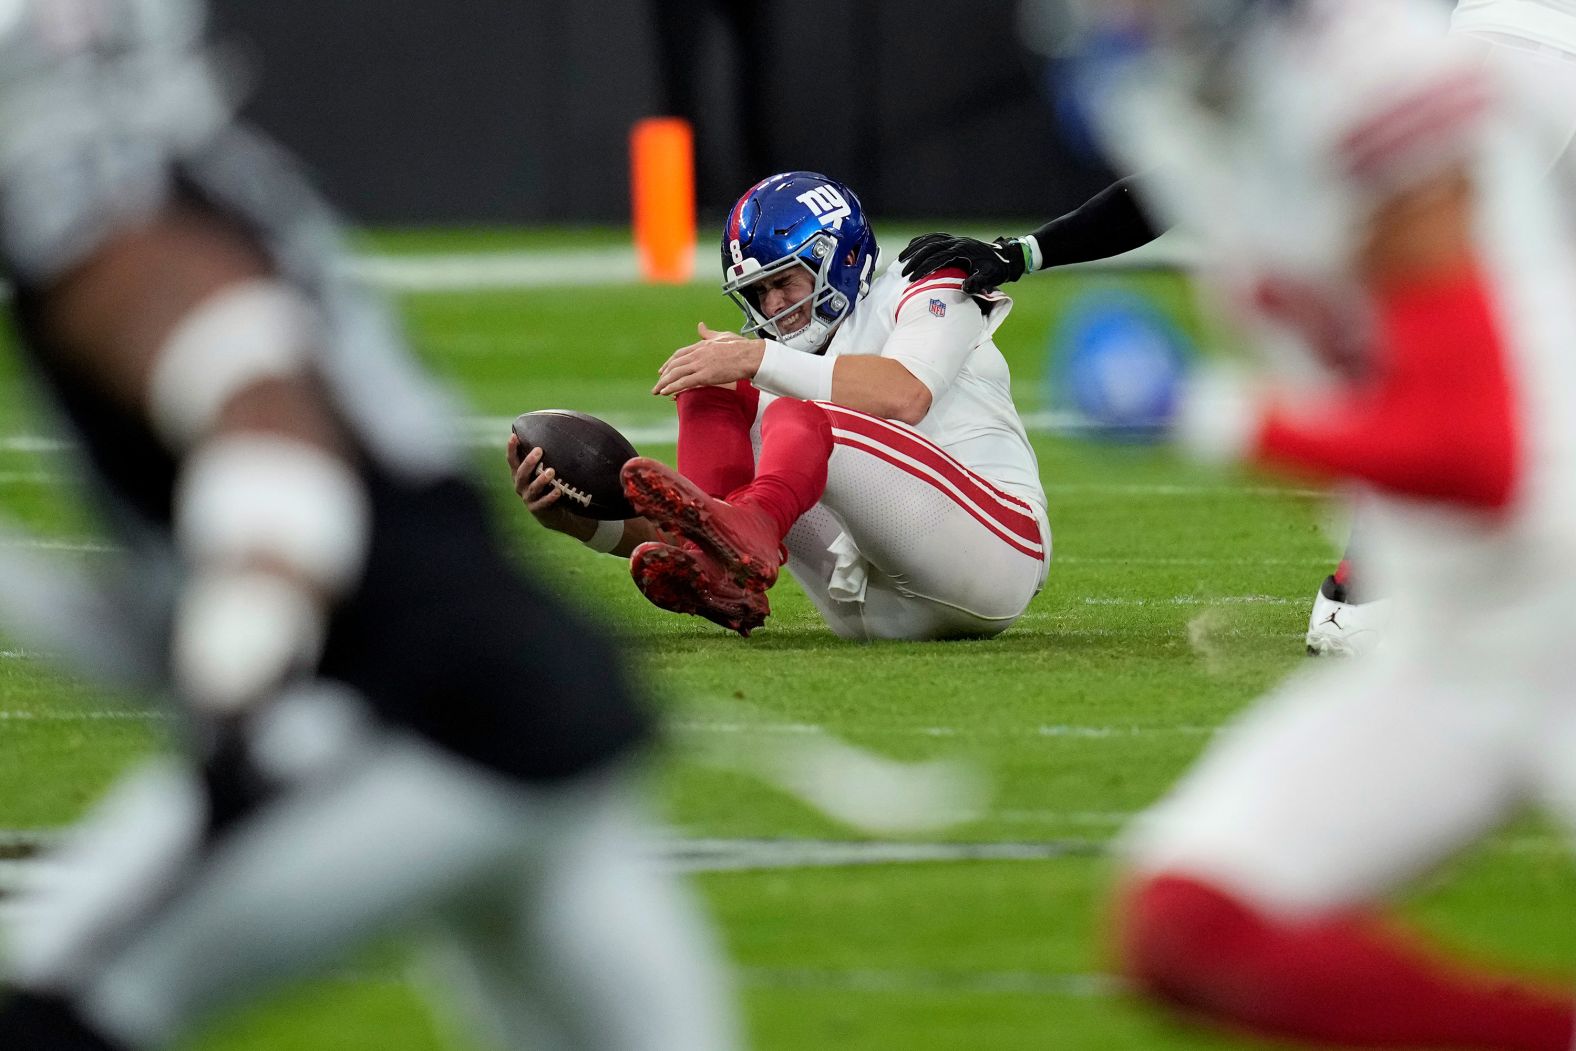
column 798, row 219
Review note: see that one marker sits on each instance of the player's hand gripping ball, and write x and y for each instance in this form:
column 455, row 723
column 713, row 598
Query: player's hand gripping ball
column 585, row 455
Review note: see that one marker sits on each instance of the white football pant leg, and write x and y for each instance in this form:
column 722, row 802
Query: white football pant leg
column 1349, row 781
column 399, row 832
column 118, row 861
column 599, row 950
column 929, row 567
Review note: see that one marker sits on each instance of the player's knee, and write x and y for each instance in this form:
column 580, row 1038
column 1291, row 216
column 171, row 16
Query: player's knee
column 708, row 400
column 805, row 417
column 1186, row 942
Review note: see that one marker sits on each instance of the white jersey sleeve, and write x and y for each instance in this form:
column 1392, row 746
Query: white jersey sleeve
column 1534, row 24
column 936, row 328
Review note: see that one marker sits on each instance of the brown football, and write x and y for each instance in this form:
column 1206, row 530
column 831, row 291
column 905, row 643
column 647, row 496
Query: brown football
column 586, row 455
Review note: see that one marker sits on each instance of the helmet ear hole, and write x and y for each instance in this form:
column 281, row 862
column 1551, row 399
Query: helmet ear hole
column 864, row 273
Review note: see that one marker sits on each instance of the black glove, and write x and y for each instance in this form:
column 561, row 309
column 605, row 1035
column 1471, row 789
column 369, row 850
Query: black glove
column 988, row 265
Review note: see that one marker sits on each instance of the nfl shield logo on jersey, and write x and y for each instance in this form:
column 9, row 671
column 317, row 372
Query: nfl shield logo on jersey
column 938, row 308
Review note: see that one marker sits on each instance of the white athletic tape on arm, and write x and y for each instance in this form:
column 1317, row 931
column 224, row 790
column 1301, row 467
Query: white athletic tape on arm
column 268, row 524
column 248, row 332
column 1218, row 416
column 252, row 497
column 1036, row 258
column 606, row 537
column 794, row 374
column 239, row 635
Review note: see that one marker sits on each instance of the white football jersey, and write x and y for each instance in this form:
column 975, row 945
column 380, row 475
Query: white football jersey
column 1333, row 109
column 943, row 338
column 1542, row 23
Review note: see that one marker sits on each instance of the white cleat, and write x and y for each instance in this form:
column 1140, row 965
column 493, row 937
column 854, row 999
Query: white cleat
column 1338, row 628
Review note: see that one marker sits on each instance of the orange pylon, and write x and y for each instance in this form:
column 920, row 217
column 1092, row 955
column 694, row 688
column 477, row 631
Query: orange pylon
column 662, row 189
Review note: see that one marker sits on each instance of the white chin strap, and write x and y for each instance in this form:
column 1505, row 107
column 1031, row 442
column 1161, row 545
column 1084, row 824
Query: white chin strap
column 811, row 338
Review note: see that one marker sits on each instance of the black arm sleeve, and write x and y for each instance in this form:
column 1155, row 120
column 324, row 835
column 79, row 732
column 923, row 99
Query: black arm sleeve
column 1109, row 223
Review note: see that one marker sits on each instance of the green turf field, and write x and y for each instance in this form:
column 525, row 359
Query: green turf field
column 1176, row 595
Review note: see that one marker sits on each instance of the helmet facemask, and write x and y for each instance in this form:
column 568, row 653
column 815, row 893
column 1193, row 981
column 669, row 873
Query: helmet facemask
column 743, row 287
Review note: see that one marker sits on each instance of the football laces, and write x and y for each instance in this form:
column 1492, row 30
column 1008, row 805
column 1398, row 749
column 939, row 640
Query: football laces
column 579, row 496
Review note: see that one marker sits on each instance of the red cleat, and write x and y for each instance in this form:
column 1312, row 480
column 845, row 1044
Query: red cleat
column 743, row 539
column 688, row 580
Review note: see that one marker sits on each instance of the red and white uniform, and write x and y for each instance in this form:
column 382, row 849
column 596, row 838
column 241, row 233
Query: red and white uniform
column 939, row 529
column 1462, row 432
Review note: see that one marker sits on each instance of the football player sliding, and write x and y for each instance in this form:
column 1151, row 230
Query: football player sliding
column 860, row 431
column 1347, row 617
column 375, row 737
column 1354, row 153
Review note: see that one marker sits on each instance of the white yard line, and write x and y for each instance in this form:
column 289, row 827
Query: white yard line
column 1088, row 818
column 617, row 265
column 744, row 729
column 1194, row 600
column 489, row 271
column 485, row 430
column 866, row 980
column 32, row 443
column 79, row 715
column 82, row 547
column 766, row 855
column 1204, row 561
column 489, row 431
column 1106, row 489
column 1095, row 732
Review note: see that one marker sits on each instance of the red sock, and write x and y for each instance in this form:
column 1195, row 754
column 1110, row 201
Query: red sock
column 1342, row 980
column 714, row 436
column 1343, row 572
column 796, row 442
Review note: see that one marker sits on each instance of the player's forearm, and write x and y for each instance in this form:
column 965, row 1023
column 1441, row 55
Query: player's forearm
column 881, row 387
column 182, row 322
column 637, row 531
column 1408, row 446
column 1108, row 224
column 1438, row 420
column 1437, row 463
column 609, row 538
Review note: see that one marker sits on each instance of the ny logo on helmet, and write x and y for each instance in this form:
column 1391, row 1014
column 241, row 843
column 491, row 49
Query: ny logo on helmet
column 827, row 205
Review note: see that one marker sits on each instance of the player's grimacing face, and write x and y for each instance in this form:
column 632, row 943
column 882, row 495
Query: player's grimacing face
column 783, row 290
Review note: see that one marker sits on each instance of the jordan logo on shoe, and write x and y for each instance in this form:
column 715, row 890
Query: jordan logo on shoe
column 1330, row 620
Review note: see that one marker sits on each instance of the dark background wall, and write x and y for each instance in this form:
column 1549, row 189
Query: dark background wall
column 471, row 111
